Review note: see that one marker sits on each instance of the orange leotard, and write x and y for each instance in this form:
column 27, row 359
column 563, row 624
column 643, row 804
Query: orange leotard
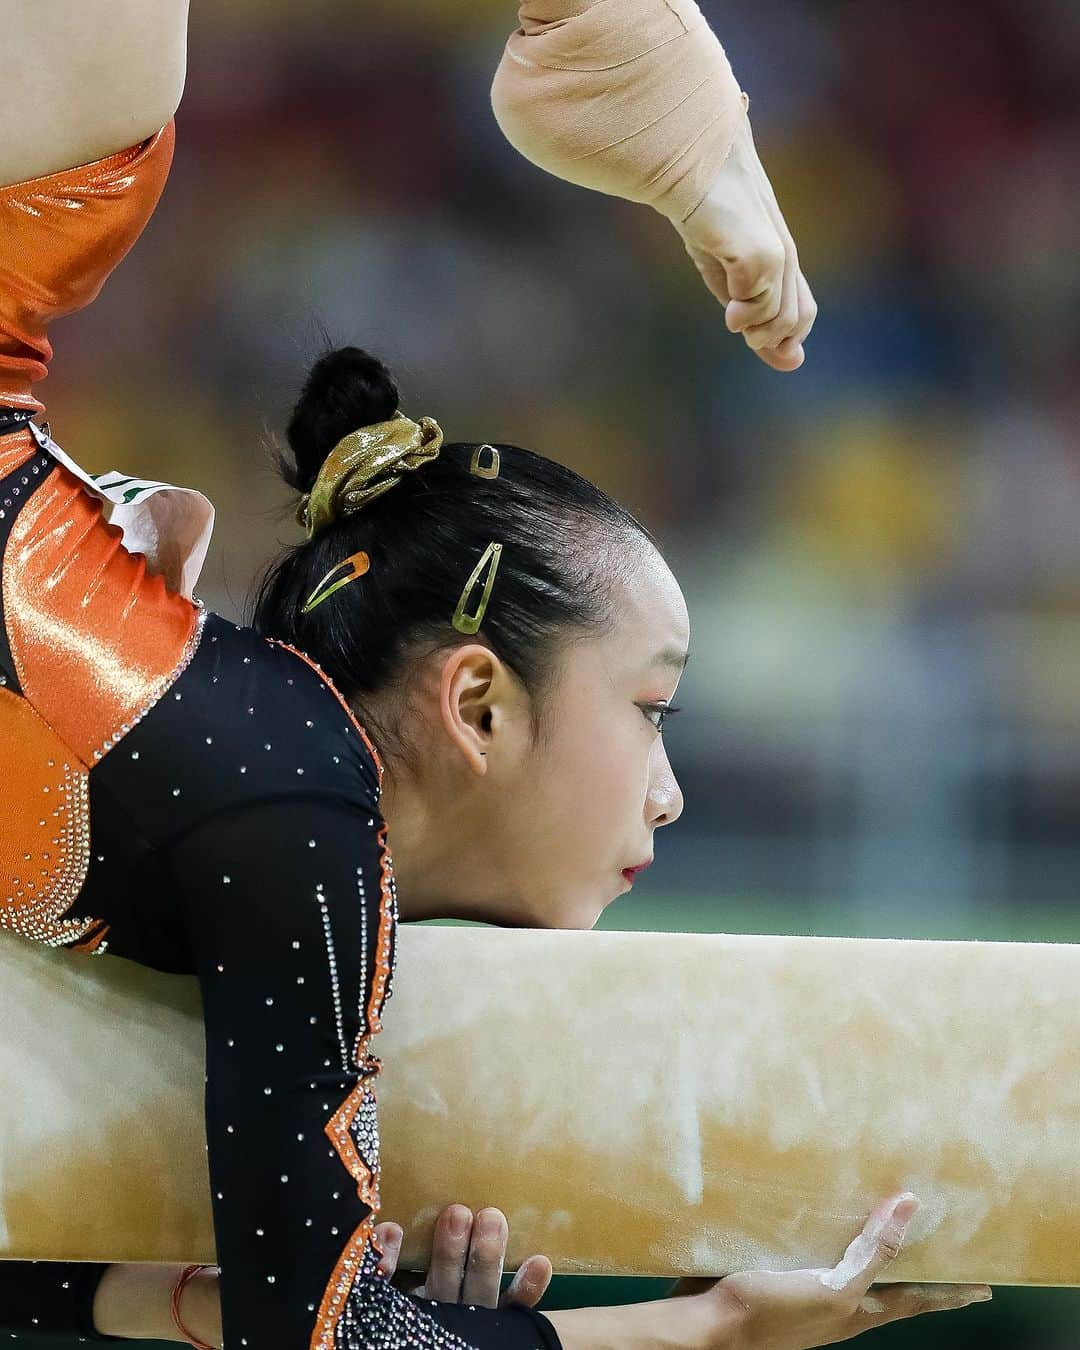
column 67, row 583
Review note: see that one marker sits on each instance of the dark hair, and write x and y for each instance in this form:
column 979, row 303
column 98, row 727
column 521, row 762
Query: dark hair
column 561, row 555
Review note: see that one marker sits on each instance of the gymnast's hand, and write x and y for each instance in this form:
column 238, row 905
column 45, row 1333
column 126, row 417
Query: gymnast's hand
column 797, row 1309
column 466, row 1264
column 739, row 242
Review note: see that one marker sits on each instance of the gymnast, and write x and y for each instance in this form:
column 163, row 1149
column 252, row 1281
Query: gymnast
column 471, row 653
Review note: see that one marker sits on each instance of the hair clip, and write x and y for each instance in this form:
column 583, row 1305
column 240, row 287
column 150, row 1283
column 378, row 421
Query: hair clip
column 469, row 623
column 360, row 564
column 489, row 470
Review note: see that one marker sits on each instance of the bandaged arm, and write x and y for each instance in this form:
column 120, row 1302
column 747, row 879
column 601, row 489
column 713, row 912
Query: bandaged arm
column 635, row 98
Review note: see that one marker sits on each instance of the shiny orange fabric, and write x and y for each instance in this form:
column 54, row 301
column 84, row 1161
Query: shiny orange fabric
column 15, row 449
column 95, row 641
column 45, row 840
column 60, row 237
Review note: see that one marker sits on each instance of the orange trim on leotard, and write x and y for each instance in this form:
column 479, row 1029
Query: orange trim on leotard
column 338, row 1127
column 310, row 661
column 338, row 1130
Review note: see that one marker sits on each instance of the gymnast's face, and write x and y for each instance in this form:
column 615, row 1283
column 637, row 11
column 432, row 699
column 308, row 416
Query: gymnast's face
column 522, row 834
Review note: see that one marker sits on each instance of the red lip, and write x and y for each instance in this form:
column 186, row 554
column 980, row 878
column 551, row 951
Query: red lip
column 631, row 872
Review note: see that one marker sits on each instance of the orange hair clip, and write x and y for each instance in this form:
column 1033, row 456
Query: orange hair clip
column 357, row 562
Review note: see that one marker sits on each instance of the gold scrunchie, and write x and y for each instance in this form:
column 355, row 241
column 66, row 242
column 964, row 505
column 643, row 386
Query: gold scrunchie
column 345, row 481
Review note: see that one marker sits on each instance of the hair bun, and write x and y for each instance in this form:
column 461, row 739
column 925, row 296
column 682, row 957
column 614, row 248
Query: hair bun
column 345, row 389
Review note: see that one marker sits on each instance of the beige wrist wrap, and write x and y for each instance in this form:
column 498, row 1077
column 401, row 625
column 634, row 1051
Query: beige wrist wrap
column 635, row 98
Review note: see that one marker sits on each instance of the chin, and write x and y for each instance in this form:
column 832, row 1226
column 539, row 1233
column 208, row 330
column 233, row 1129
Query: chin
column 587, row 917
column 559, row 913
column 578, row 918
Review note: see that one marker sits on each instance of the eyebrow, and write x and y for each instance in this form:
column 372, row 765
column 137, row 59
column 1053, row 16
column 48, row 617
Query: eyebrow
column 671, row 656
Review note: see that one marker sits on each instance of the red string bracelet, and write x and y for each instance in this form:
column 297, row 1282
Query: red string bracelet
column 178, row 1289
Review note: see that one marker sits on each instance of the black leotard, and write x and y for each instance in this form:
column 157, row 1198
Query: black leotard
column 222, row 819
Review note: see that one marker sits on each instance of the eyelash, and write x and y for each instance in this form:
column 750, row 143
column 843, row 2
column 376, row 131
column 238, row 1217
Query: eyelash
column 662, row 708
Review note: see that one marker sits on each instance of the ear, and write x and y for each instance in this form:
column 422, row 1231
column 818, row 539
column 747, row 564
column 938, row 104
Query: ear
column 472, row 693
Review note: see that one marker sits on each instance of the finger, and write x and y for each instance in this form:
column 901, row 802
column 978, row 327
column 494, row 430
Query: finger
column 449, row 1246
column 875, row 1247
column 487, row 1251
column 897, row 1301
column 387, row 1237
column 784, row 357
column 760, row 335
column 807, row 310
column 529, row 1284
column 786, row 354
column 755, row 278
column 789, row 355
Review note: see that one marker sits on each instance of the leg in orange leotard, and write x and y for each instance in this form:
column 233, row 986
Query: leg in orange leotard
column 88, row 639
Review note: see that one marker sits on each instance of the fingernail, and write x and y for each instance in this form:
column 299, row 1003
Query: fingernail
column 459, row 1222
column 982, row 1296
column 906, row 1207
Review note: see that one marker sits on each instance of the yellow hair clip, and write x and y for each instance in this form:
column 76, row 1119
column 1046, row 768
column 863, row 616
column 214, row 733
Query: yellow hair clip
column 488, row 470
column 469, row 623
column 359, row 563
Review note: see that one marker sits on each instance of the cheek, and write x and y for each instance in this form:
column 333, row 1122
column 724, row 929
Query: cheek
column 602, row 778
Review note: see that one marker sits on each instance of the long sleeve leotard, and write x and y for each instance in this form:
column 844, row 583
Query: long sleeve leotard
column 183, row 792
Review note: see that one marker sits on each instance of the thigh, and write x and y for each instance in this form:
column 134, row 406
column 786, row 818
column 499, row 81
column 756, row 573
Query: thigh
column 85, row 78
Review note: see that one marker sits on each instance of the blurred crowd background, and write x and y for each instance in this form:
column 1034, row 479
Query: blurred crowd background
column 880, row 553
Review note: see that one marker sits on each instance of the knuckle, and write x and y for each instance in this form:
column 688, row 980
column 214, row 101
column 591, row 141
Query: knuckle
column 735, row 1308
column 889, row 1246
column 763, row 337
column 772, row 333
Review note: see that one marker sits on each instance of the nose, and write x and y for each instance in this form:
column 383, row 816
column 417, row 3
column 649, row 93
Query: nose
column 664, row 803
